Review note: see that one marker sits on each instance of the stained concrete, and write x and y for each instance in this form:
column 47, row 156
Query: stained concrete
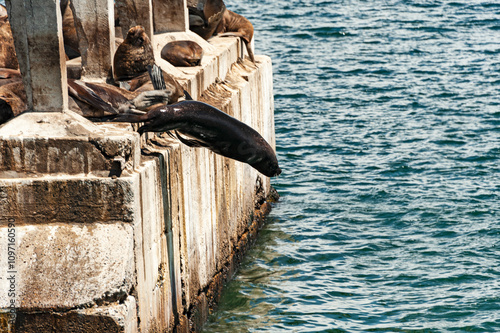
column 121, row 233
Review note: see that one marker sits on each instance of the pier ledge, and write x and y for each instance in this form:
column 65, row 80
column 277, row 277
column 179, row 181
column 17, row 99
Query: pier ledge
column 102, row 230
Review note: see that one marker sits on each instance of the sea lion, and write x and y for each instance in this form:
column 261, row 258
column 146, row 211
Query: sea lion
column 8, row 75
column 8, row 58
column 233, row 24
column 90, row 100
column 97, row 100
column 210, row 128
column 131, row 61
column 204, row 22
column 12, row 100
column 133, row 55
column 70, row 37
column 183, row 53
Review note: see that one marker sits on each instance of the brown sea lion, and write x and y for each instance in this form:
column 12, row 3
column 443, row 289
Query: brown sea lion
column 142, row 83
column 238, row 26
column 8, row 58
column 12, row 100
column 90, row 100
column 184, row 53
column 210, row 128
column 133, row 55
column 204, row 22
column 97, row 100
column 70, row 37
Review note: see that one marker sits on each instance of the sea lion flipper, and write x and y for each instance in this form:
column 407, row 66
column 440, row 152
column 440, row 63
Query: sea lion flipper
column 149, row 98
column 249, row 50
column 188, row 97
column 81, row 91
column 156, row 76
column 245, row 40
column 191, row 142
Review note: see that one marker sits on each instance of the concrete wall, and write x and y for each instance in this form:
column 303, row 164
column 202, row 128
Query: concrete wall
column 105, row 238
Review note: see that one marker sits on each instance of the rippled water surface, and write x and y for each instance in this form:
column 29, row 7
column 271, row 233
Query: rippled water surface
column 388, row 132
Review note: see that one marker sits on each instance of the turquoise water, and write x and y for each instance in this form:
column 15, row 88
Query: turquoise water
column 388, row 134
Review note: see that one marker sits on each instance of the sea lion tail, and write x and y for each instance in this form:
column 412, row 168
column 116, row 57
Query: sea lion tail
column 156, row 76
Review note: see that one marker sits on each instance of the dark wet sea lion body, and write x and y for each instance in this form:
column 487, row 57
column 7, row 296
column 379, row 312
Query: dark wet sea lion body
column 184, row 53
column 213, row 129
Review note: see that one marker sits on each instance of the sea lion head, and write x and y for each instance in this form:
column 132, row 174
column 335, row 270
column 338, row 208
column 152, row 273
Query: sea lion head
column 133, row 55
column 268, row 165
column 259, row 155
column 137, row 36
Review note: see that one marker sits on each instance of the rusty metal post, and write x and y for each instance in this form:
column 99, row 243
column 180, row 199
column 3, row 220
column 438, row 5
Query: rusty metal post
column 37, row 31
column 170, row 16
column 94, row 22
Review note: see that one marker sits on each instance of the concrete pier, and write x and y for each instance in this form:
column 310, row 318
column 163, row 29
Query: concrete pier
column 102, row 230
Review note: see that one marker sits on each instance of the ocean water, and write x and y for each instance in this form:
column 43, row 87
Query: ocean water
column 388, row 134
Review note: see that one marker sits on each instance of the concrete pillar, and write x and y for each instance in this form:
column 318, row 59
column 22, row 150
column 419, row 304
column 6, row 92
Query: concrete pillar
column 94, row 21
column 37, row 31
column 135, row 12
column 170, row 16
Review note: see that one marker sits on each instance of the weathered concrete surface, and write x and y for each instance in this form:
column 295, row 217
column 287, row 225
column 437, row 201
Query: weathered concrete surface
column 170, row 16
column 64, row 266
column 95, row 26
column 40, row 51
column 135, row 12
column 116, row 317
column 170, row 228
column 65, row 199
column 155, row 302
column 212, row 198
column 48, row 143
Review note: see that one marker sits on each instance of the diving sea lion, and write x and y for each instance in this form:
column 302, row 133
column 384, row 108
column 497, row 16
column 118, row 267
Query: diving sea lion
column 204, row 22
column 233, row 24
column 210, row 128
column 8, row 58
column 184, row 53
column 133, row 55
